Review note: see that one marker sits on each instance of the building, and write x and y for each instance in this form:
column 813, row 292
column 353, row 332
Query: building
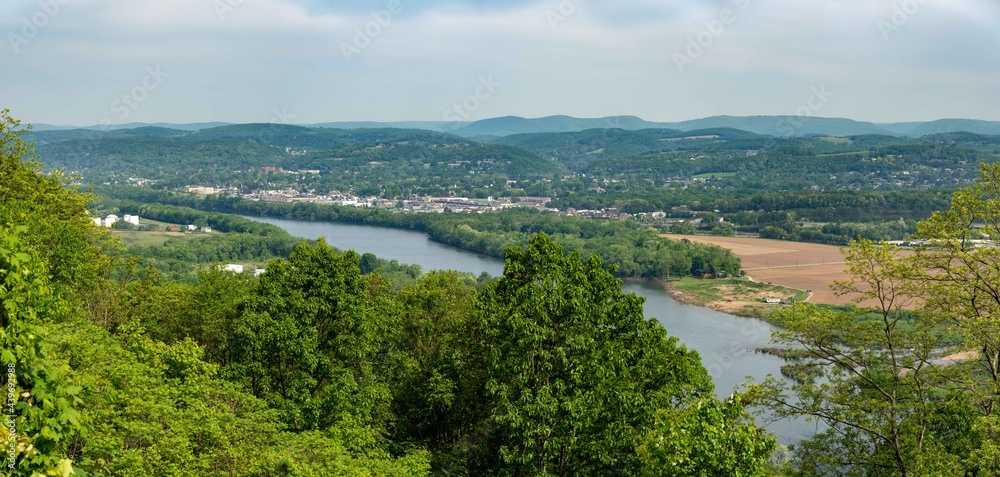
column 132, row 219
column 233, row 268
column 110, row 220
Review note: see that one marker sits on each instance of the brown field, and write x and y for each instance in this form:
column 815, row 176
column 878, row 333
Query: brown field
column 805, row 266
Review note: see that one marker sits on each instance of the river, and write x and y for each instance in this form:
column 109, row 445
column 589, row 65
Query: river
column 725, row 342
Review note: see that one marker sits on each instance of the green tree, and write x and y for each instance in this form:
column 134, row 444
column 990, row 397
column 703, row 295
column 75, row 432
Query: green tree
column 59, row 230
column 576, row 372
column 309, row 341
column 958, row 272
column 439, row 400
column 913, row 377
column 45, row 415
column 884, row 390
column 706, row 439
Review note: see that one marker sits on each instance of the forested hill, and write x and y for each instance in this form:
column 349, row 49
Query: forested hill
column 609, row 144
column 375, row 156
column 279, row 135
column 593, row 144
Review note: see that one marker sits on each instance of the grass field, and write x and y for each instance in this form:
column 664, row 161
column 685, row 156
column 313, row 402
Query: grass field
column 837, row 140
column 804, row 266
column 715, row 175
column 155, row 237
column 734, row 295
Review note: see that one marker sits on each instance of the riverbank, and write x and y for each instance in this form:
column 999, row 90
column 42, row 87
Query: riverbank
column 735, row 296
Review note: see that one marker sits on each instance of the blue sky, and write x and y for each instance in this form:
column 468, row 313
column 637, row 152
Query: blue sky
column 85, row 62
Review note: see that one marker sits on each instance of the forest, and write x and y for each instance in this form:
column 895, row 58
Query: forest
column 324, row 366
column 315, row 369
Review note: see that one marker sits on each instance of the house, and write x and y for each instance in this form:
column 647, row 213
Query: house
column 173, row 228
column 258, row 272
column 110, row 220
column 703, row 273
column 192, row 228
column 233, row 268
column 132, row 219
column 206, row 230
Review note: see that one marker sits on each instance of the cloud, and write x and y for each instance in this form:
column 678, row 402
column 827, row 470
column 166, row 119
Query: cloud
column 584, row 57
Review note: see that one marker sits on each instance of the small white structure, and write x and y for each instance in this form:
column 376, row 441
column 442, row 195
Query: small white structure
column 98, row 221
column 110, row 220
column 206, row 230
column 776, row 301
column 132, row 219
column 233, row 268
column 258, row 272
column 192, row 228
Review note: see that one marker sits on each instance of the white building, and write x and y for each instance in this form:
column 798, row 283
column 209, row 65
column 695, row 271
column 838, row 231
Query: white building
column 233, row 268
column 132, row 219
column 110, row 220
column 98, row 221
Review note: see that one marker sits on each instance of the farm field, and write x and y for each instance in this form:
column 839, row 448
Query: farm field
column 157, row 235
column 804, row 266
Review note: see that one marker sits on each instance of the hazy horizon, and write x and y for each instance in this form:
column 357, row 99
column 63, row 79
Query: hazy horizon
column 84, row 62
column 304, row 124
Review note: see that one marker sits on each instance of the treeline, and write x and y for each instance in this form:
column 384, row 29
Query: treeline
column 635, row 250
column 244, row 241
column 817, row 206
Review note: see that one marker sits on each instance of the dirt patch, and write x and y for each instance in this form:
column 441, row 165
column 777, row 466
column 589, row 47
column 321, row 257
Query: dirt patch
column 962, row 356
column 806, row 266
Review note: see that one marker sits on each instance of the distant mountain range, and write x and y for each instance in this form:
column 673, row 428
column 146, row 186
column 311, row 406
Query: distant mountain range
column 782, row 126
column 180, row 127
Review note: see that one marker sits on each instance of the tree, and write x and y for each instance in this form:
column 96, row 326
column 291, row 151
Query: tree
column 577, row 373
column 707, row 438
column 60, row 232
column 912, row 377
column 309, row 338
column 440, row 400
column 959, row 272
column 884, row 392
column 38, row 389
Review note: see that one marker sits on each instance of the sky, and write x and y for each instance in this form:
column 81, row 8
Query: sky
column 87, row 62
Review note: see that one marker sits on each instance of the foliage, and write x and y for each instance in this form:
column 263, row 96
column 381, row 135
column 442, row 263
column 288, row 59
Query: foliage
column 41, row 407
column 577, row 373
column 706, row 438
column 314, row 368
column 59, row 230
column 309, row 337
column 959, row 270
column 909, row 393
column 440, row 399
column 154, row 409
